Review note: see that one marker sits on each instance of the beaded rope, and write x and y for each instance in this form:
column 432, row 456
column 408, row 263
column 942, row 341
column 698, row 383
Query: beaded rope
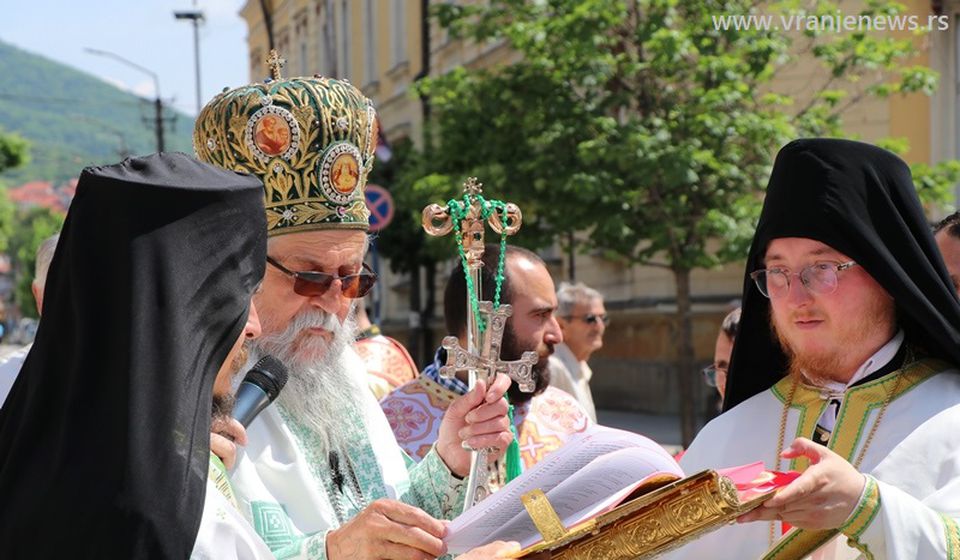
column 458, row 211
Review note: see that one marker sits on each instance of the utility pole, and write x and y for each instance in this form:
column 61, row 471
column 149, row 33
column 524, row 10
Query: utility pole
column 158, row 102
column 158, row 122
column 196, row 17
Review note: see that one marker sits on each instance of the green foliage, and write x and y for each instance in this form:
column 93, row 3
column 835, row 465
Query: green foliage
column 33, row 227
column 14, row 151
column 404, row 241
column 7, row 213
column 72, row 119
column 645, row 124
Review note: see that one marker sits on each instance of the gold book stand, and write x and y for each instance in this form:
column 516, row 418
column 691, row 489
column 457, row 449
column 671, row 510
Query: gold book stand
column 666, row 514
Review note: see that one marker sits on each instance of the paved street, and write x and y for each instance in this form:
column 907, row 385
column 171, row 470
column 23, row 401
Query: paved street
column 7, row 348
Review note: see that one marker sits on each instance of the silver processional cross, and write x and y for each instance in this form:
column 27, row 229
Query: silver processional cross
column 482, row 355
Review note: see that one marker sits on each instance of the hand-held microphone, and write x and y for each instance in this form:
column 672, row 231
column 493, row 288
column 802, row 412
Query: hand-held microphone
column 259, row 388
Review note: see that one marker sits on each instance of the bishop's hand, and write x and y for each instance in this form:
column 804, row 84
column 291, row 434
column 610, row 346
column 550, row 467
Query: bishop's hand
column 477, row 419
column 823, row 497
column 388, row 529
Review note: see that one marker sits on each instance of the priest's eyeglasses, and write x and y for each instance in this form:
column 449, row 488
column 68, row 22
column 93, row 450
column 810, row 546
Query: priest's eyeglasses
column 710, row 374
column 313, row 283
column 818, row 278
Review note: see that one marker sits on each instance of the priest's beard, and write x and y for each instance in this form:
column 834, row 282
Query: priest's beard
column 834, row 365
column 321, row 393
column 511, row 349
column 222, row 408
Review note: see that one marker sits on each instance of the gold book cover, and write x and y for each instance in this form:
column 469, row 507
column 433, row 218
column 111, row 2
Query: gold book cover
column 659, row 516
column 610, row 494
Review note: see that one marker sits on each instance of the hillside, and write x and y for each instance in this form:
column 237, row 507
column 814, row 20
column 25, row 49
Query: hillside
column 73, row 119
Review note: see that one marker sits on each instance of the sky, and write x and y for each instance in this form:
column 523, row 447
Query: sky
column 141, row 31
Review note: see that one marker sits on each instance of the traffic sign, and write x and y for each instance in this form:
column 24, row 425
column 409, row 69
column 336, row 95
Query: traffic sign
column 380, row 205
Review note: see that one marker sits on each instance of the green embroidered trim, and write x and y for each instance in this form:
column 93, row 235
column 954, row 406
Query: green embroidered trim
column 798, row 543
column 435, row 489
column 952, row 532
column 217, row 473
column 860, row 401
column 271, row 522
column 362, row 457
column 861, row 518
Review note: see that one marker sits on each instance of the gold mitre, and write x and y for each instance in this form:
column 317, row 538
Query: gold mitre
column 311, row 141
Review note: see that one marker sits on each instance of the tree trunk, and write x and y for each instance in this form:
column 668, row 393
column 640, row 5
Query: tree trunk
column 414, row 345
column 426, row 321
column 685, row 358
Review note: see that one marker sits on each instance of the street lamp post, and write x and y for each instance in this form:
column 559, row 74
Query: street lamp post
column 196, row 17
column 157, row 103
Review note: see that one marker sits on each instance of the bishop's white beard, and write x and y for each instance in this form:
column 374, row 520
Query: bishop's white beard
column 321, row 393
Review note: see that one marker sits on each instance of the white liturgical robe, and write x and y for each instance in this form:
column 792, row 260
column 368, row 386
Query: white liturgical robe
column 911, row 503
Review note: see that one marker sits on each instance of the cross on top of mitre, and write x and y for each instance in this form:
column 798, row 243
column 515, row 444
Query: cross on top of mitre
column 488, row 360
column 275, row 62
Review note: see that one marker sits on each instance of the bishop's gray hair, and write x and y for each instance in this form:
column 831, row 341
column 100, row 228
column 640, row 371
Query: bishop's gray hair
column 44, row 255
column 569, row 295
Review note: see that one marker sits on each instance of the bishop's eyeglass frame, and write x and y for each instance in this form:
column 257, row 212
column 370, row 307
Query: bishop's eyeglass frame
column 315, row 283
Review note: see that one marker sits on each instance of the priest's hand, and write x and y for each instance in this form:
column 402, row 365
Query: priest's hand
column 388, row 529
column 478, row 419
column 225, row 435
column 823, row 497
column 496, row 550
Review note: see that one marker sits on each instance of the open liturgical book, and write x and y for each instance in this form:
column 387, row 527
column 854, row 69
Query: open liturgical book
column 611, row 485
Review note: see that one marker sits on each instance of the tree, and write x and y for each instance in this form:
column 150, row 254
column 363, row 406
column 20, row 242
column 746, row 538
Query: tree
column 650, row 125
column 13, row 152
column 33, row 227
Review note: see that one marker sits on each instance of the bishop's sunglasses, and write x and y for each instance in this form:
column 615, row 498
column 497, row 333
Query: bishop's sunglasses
column 312, row 283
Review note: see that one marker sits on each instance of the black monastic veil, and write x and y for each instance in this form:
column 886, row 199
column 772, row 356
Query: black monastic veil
column 860, row 200
column 104, row 439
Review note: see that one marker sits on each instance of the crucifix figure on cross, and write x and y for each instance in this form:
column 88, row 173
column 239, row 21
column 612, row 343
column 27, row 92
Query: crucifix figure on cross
column 486, row 320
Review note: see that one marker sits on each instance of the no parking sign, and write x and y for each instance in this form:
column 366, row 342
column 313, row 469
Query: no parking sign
column 380, row 205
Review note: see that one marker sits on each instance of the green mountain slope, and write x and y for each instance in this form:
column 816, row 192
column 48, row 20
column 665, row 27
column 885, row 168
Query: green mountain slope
column 73, row 119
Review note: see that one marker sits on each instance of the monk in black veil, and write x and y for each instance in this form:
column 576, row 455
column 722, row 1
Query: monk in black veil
column 104, row 439
column 844, row 369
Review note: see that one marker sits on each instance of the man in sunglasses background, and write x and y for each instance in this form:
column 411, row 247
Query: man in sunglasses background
column 322, row 475
column 844, row 368
column 544, row 419
column 583, row 320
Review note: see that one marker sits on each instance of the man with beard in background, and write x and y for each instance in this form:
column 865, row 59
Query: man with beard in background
column 543, row 419
column 322, row 476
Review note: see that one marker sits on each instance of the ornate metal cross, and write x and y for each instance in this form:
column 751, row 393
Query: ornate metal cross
column 482, row 354
column 275, row 62
column 488, row 361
